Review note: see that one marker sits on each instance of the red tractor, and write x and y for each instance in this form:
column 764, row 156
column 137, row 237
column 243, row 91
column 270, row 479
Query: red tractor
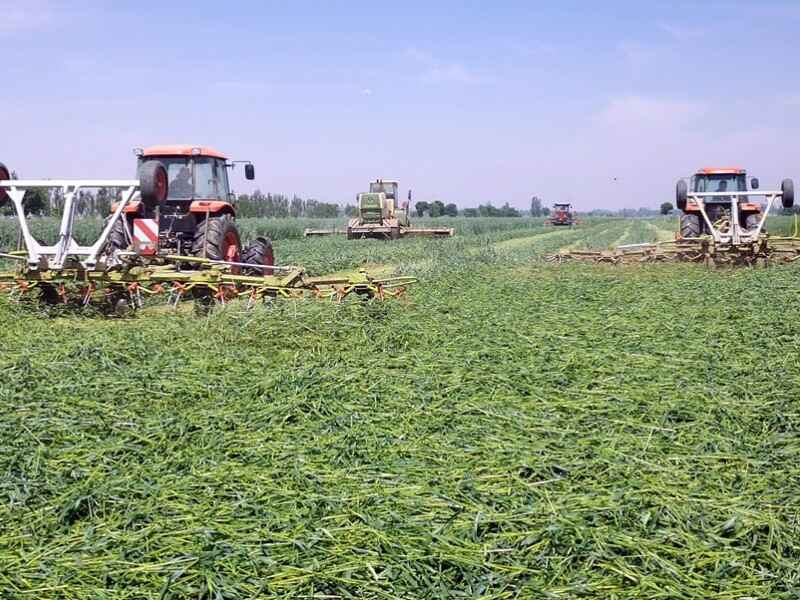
column 561, row 215
column 717, row 202
column 192, row 211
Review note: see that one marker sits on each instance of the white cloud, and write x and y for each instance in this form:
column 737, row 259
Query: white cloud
column 450, row 73
column 641, row 110
column 366, row 92
column 436, row 71
column 682, row 33
column 24, row 17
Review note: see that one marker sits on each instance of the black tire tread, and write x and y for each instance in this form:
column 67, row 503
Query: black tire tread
column 210, row 236
column 255, row 253
column 690, row 226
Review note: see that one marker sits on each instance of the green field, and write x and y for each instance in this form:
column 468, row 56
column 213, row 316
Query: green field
column 508, row 429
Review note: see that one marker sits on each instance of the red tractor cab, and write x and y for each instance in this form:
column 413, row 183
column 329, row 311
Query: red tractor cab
column 193, row 213
column 562, row 215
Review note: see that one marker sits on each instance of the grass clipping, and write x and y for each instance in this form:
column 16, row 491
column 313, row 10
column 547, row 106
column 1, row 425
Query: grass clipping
column 597, row 433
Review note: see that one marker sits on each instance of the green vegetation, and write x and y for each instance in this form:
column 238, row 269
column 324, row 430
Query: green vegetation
column 511, row 430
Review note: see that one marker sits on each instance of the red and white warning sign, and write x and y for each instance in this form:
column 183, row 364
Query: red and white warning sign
column 145, row 236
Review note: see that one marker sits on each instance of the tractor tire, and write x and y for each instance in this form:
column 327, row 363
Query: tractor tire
column 752, row 221
column 258, row 252
column 218, row 238
column 153, row 184
column 690, row 226
column 5, row 175
column 787, row 189
column 681, row 194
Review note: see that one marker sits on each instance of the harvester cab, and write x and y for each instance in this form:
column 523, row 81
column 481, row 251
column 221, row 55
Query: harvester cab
column 716, row 202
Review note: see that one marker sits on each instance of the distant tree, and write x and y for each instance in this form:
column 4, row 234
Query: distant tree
column 666, row 208
column 470, row 212
column 536, row 207
column 422, row 207
column 545, row 211
column 297, row 207
column 350, row 210
column 437, row 208
column 451, row 210
column 509, row 211
column 36, row 202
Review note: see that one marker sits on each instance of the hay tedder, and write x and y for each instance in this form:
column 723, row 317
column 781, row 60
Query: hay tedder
column 380, row 217
column 721, row 223
column 172, row 231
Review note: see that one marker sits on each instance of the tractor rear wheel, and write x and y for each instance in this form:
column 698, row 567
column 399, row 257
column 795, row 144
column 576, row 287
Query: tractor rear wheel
column 218, row 238
column 259, row 252
column 690, row 226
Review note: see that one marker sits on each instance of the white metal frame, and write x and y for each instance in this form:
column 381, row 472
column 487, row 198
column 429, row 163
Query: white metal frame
column 54, row 257
column 737, row 234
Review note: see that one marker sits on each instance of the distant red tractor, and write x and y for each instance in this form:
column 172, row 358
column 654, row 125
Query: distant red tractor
column 561, row 215
column 192, row 211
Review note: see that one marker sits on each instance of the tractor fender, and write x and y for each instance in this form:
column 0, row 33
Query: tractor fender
column 212, row 207
column 130, row 208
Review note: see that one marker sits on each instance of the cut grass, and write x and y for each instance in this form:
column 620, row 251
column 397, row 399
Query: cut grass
column 510, row 430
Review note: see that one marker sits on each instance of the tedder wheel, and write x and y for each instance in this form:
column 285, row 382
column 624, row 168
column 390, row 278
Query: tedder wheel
column 5, row 175
column 787, row 190
column 259, row 252
column 217, row 238
column 690, row 226
column 153, row 185
column 681, row 193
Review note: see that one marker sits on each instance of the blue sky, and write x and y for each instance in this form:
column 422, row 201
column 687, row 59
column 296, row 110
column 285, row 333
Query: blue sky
column 598, row 103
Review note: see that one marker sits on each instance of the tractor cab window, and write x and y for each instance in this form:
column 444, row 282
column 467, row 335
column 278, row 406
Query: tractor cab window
column 720, row 183
column 196, row 177
column 210, row 178
column 179, row 176
column 390, row 189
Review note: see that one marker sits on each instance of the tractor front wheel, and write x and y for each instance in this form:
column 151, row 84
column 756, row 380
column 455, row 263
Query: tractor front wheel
column 690, row 226
column 787, row 193
column 217, row 238
column 259, row 252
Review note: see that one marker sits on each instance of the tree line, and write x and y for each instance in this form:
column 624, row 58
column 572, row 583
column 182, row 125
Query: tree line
column 50, row 202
